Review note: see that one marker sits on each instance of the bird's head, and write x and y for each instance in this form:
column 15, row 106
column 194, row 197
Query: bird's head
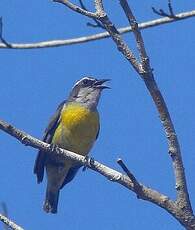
column 87, row 91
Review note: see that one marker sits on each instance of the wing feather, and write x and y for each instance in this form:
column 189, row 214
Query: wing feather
column 48, row 135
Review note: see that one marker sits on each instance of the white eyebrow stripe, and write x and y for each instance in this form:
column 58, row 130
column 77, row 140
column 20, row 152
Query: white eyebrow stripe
column 87, row 78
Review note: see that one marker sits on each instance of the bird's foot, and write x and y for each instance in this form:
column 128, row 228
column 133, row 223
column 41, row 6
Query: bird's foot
column 89, row 161
column 53, row 147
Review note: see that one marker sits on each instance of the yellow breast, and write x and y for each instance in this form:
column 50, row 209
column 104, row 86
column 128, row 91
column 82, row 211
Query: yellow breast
column 78, row 128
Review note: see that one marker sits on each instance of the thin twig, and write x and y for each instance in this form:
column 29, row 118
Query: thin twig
column 115, row 35
column 137, row 186
column 9, row 223
column 76, row 8
column 138, row 37
column 99, row 8
column 170, row 8
column 162, row 13
column 98, row 36
column 97, row 23
column 1, row 35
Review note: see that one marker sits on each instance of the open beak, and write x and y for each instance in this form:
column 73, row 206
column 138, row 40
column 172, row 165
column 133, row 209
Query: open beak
column 100, row 84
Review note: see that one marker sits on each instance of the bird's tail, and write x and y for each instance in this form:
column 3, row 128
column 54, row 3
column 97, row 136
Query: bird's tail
column 51, row 201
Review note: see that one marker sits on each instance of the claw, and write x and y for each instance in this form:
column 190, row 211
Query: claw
column 53, row 147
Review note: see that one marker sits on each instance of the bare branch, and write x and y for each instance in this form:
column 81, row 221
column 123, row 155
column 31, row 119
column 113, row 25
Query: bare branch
column 115, row 35
column 137, row 186
column 139, row 40
column 161, row 12
column 99, row 8
column 94, row 37
column 97, row 23
column 174, row 148
column 1, row 35
column 10, row 223
column 76, row 8
column 5, row 213
column 121, row 45
column 170, row 7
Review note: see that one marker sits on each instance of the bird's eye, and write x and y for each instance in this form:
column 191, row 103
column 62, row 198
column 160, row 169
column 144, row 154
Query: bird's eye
column 85, row 82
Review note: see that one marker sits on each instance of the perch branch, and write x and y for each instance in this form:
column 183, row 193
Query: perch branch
column 28, row 140
column 144, row 193
column 4, row 213
column 9, row 223
column 94, row 37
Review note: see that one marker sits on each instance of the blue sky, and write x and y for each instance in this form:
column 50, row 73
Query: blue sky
column 34, row 82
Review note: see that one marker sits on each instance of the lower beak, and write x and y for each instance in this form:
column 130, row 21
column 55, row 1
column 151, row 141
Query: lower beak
column 100, row 84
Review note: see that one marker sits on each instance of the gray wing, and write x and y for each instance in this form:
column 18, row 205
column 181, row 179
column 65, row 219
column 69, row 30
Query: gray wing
column 48, row 135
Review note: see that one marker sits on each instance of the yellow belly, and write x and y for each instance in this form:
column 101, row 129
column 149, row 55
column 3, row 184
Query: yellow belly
column 78, row 129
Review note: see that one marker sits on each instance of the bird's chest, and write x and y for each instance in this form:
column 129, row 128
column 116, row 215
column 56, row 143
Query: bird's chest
column 78, row 129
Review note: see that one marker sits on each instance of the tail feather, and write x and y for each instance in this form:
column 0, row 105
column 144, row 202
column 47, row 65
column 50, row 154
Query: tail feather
column 51, row 201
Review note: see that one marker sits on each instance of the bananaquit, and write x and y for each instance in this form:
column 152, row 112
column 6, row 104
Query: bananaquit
column 75, row 127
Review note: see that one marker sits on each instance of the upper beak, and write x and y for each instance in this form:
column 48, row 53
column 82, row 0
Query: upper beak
column 99, row 84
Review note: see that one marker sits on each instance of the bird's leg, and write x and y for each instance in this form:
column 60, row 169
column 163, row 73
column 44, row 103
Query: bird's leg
column 53, row 147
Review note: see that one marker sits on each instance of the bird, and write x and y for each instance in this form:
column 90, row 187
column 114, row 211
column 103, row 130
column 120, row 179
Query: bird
column 75, row 127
